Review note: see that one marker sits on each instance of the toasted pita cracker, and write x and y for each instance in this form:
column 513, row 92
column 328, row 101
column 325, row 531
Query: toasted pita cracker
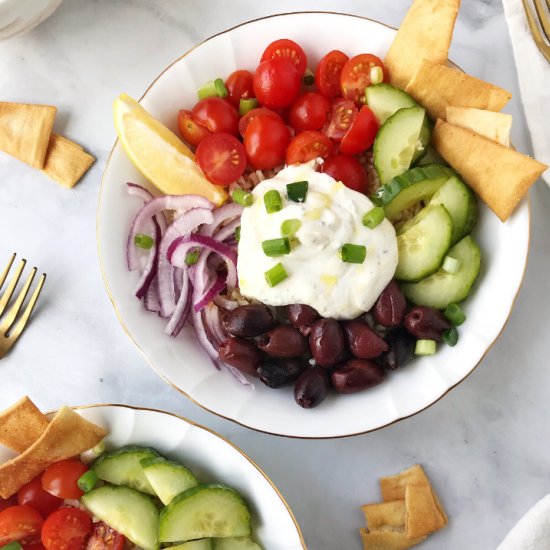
column 66, row 161
column 436, row 87
column 493, row 126
column 25, row 131
column 21, row 425
column 423, row 516
column 425, row 33
column 387, row 540
column 385, row 516
column 498, row 174
column 67, row 435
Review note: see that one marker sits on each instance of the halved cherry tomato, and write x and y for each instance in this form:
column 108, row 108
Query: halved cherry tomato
column 307, row 146
column 361, row 135
column 355, row 76
column 239, row 86
column 348, row 170
column 105, row 538
column 8, row 502
column 265, row 141
column 60, row 478
column 32, row 494
column 190, row 131
column 327, row 74
column 276, row 83
column 34, row 546
column 309, row 112
column 66, row 529
column 20, row 523
column 287, row 49
column 341, row 117
column 221, row 157
column 246, row 119
column 217, row 115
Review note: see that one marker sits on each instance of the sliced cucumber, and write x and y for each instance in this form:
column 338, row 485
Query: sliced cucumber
column 205, row 511
column 423, row 140
column 442, row 288
column 384, row 100
column 201, row 544
column 422, row 243
column 122, row 467
column 236, row 543
column 127, row 511
column 396, row 142
column 167, row 479
column 431, row 157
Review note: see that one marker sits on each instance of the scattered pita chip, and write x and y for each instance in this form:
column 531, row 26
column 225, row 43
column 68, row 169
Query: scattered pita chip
column 67, row 435
column 385, row 516
column 25, row 131
column 493, row 126
column 425, row 33
column 66, row 161
column 423, row 515
column 21, row 425
column 394, row 487
column 387, row 540
column 499, row 175
column 436, row 87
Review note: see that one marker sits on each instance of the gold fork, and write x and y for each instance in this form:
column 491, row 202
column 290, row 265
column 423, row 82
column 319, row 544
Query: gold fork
column 11, row 327
column 543, row 20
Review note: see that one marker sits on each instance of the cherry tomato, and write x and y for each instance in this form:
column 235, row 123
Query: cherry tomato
column 307, row 146
column 105, row 538
column 66, row 529
column 246, row 119
column 309, row 112
column 20, row 523
column 276, row 83
column 287, row 49
column 327, row 74
column 190, row 131
column 341, row 117
column 32, row 494
column 355, row 76
column 265, row 141
column 222, row 158
column 217, row 115
column 360, row 136
column 60, row 478
column 8, row 502
column 34, row 546
column 239, row 85
column 348, row 170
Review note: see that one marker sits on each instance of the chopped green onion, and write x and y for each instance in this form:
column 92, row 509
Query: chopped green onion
column 275, row 275
column 238, row 233
column 454, row 313
column 373, row 217
column 242, row 197
column 247, row 104
column 87, row 481
column 276, row 247
column 192, row 257
column 272, row 201
column 290, row 227
column 353, row 253
column 450, row 264
column 309, row 77
column 207, row 90
column 12, row 546
column 450, row 337
column 297, row 191
column 221, row 90
column 144, row 241
column 376, row 75
column 425, row 347
column 92, row 454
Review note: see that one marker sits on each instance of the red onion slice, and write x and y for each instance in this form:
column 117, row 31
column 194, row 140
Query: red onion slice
column 151, row 298
column 139, row 191
column 152, row 263
column 222, row 214
column 181, row 311
column 228, row 230
column 213, row 290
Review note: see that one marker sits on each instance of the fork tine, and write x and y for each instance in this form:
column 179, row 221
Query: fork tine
column 8, row 321
column 11, row 287
column 4, row 275
column 543, row 17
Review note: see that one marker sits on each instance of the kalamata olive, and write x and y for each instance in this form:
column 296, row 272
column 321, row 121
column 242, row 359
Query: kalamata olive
column 283, row 341
column 356, row 375
column 312, row 387
column 426, row 323
column 250, row 320
column 326, row 342
column 401, row 349
column 390, row 307
column 302, row 317
column 362, row 340
column 241, row 354
column 275, row 372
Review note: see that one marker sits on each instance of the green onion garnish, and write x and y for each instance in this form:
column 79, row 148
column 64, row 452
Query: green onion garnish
column 87, row 481
column 275, row 275
column 297, row 191
column 450, row 337
column 373, row 217
column 272, row 201
column 454, row 313
column 450, row 264
column 143, row 241
column 12, row 546
column 192, row 257
column 425, row 347
column 207, row 90
column 309, row 78
column 353, row 253
column 238, row 233
column 276, row 247
column 289, row 228
column 247, row 104
column 242, row 197
column 221, row 90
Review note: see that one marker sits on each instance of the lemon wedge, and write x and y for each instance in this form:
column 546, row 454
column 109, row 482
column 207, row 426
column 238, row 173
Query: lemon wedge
column 159, row 154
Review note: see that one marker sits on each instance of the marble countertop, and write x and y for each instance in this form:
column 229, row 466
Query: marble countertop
column 485, row 445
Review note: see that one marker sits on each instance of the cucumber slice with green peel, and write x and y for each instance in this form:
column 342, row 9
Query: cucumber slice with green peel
column 442, row 288
column 422, row 243
column 122, row 467
column 201, row 544
column 431, row 157
column 205, row 511
column 423, row 140
column 127, row 511
column 396, row 142
column 384, row 100
column 167, row 479
column 236, row 543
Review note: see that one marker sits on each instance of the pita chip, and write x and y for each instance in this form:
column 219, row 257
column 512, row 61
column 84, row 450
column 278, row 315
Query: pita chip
column 387, row 540
column 493, row 126
column 423, row 515
column 385, row 516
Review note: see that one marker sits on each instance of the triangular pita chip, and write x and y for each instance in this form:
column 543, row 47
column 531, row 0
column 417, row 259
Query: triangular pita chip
column 385, row 516
column 387, row 540
column 423, row 516
column 493, row 126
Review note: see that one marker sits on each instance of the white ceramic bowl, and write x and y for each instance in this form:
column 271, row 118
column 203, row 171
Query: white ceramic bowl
column 19, row 16
column 182, row 363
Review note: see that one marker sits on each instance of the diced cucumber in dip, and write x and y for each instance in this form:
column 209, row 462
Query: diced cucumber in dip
column 329, row 218
column 236, row 543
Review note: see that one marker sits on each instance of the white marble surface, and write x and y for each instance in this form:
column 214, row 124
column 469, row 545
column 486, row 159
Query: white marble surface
column 485, row 445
